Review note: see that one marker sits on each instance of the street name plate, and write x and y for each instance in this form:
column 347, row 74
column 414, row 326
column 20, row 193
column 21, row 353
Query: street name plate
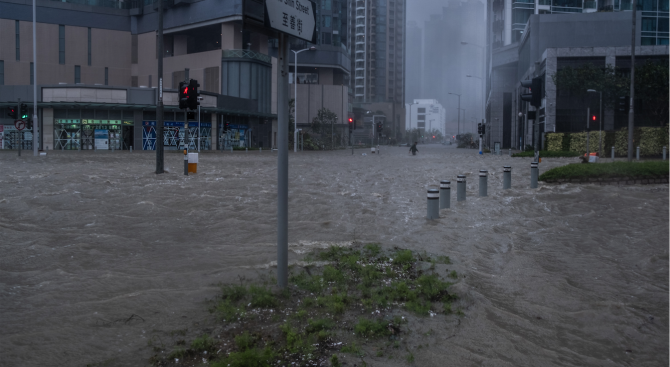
column 293, row 17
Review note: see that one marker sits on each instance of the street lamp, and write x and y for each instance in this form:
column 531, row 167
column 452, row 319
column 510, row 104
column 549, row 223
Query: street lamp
column 459, row 111
column 295, row 97
column 600, row 120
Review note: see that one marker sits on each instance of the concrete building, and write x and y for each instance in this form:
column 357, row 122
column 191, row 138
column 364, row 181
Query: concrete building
column 428, row 115
column 414, row 67
column 554, row 36
column 97, row 70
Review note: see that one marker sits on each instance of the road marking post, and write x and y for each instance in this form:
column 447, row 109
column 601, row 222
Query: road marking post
column 433, row 203
column 445, row 194
column 483, row 182
column 507, row 177
column 533, row 175
column 460, row 188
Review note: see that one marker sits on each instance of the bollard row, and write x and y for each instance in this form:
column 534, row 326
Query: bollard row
column 433, row 204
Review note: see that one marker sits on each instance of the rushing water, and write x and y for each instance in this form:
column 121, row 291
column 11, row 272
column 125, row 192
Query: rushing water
column 99, row 254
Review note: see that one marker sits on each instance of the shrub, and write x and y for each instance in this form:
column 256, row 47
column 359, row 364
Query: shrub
column 369, row 328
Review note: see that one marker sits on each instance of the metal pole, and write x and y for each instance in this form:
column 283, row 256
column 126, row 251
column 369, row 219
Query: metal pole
column 664, row 152
column 483, row 189
column 18, row 113
column 460, row 188
column 507, row 177
column 612, row 153
column 533, row 175
column 199, row 141
column 637, row 153
column 185, row 162
column 459, row 114
column 295, row 101
column 159, row 106
column 631, row 110
column 36, row 140
column 445, row 194
column 432, row 204
column 588, row 118
column 282, row 163
column 600, row 127
column 186, row 142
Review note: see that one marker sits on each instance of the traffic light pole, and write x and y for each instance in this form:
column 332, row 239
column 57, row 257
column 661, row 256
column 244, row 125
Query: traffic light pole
column 18, row 111
column 159, row 105
column 282, row 162
column 36, row 140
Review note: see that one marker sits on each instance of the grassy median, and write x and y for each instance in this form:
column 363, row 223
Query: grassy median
column 546, row 154
column 630, row 170
column 344, row 303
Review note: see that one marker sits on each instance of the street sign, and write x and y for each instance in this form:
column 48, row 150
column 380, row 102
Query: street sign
column 293, row 17
column 20, row 124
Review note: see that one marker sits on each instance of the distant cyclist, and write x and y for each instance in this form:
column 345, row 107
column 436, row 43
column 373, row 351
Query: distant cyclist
column 413, row 149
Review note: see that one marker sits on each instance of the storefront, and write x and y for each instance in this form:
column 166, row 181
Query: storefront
column 173, row 135
column 88, row 134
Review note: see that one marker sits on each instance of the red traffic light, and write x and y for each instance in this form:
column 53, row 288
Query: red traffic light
column 433, row 136
column 594, row 118
column 351, row 120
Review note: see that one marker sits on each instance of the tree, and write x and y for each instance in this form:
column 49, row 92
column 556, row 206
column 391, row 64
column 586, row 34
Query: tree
column 651, row 86
column 322, row 127
column 603, row 79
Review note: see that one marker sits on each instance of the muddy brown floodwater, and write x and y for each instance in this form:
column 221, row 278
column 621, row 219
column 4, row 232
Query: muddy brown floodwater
column 99, row 253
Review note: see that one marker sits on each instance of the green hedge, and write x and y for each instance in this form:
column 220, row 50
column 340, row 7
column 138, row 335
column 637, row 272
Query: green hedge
column 650, row 139
column 546, row 154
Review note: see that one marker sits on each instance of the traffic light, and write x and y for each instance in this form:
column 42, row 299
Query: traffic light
column 24, row 111
column 190, row 115
column 433, row 136
column 29, row 125
column 535, row 95
column 226, row 126
column 351, row 125
column 193, row 94
column 13, row 113
column 594, row 117
column 479, row 129
column 183, row 95
column 380, row 126
column 483, row 129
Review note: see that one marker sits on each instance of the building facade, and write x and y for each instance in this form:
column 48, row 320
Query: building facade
column 549, row 42
column 97, row 70
column 428, row 115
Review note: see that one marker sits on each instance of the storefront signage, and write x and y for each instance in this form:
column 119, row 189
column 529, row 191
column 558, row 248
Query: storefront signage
column 238, row 127
column 68, row 121
column 177, row 124
column 101, row 122
column 101, row 139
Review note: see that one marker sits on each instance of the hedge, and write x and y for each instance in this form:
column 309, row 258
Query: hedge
column 650, row 139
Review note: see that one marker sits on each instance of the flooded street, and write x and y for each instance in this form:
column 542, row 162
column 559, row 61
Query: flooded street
column 99, row 253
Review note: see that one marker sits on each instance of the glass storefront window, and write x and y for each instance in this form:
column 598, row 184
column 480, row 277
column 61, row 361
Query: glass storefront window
column 648, row 41
column 649, row 24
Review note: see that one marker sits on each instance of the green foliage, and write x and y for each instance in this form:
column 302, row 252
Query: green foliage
column 334, row 303
column 178, row 353
column 372, row 249
column 403, row 257
column 353, row 349
column 334, row 361
column 419, row 307
column 554, row 142
column 651, row 86
column 262, row 297
column 607, row 170
column 233, row 293
column 650, row 139
column 308, row 283
column 371, row 329
column 226, row 311
column 331, row 274
column 410, row 358
column 431, row 287
column 203, row 343
column 588, row 76
column 453, row 274
column 244, row 341
column 314, row 326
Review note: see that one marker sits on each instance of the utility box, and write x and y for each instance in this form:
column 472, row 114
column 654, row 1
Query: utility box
column 192, row 162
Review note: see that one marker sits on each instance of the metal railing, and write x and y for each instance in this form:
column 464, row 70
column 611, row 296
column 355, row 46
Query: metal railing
column 246, row 54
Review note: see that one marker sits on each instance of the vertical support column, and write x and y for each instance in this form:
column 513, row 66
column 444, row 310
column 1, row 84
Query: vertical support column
column 533, row 175
column 507, row 177
column 445, row 194
column 612, row 153
column 460, row 188
column 282, row 162
column 432, row 204
column 637, row 153
column 483, row 182
column 185, row 162
column 665, row 150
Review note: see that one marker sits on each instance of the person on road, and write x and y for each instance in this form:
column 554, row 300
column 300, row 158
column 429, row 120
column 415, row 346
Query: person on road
column 413, row 149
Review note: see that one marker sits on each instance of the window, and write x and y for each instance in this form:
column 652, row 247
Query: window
column 89, row 46
column 649, row 24
column 326, row 5
column 18, row 43
column 421, row 110
column 32, row 74
column 106, row 76
column 421, row 117
column 646, row 5
column 2, row 72
column 77, row 74
column 326, row 20
column 325, row 38
column 61, row 44
column 663, row 24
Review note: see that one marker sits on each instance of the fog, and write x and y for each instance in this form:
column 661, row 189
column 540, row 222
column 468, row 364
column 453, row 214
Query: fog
column 438, row 62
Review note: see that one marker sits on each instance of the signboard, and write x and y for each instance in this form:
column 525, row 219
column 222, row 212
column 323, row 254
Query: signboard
column 293, row 17
column 101, row 139
column 20, row 124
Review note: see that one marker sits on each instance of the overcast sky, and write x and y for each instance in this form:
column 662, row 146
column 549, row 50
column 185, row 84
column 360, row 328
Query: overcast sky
column 420, row 10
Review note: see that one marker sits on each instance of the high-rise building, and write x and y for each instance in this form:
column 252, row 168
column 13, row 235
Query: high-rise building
column 377, row 33
column 414, row 57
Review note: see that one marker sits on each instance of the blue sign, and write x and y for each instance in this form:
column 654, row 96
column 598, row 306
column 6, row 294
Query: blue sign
column 177, row 124
column 238, row 127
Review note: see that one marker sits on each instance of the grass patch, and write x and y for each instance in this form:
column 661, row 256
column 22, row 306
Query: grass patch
column 314, row 317
column 635, row 170
column 546, row 154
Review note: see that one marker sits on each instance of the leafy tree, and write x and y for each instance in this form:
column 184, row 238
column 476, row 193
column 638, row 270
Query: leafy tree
column 651, row 86
column 322, row 129
column 606, row 79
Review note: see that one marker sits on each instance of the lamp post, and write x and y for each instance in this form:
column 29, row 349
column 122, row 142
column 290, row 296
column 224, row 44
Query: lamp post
column 295, row 95
column 600, row 120
column 459, row 111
